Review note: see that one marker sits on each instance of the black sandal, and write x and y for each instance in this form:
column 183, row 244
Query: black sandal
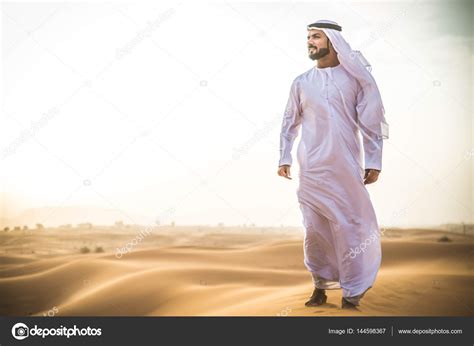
column 318, row 298
column 348, row 305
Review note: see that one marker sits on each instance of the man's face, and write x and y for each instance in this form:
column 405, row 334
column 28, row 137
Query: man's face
column 318, row 44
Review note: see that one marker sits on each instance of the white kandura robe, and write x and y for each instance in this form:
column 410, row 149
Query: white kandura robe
column 342, row 239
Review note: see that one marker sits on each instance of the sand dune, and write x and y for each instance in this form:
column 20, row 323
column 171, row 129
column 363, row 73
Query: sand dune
column 254, row 276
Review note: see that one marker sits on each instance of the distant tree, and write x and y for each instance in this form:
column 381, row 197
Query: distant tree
column 17, row 228
column 444, row 239
column 99, row 249
column 39, row 226
column 25, row 228
column 172, row 224
column 119, row 224
column 85, row 249
column 6, row 229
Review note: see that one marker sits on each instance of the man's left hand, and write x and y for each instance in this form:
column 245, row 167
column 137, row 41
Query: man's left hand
column 371, row 176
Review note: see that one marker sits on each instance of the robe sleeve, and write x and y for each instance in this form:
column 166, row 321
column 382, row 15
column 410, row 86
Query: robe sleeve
column 373, row 154
column 290, row 125
column 372, row 147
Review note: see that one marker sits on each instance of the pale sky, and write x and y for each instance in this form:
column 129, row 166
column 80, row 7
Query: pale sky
column 173, row 111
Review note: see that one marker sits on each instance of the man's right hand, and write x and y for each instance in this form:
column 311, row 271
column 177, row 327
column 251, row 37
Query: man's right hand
column 284, row 171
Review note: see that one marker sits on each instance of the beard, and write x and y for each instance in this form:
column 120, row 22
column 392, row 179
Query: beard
column 322, row 52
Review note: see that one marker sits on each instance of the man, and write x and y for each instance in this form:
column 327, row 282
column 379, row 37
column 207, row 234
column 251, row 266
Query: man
column 334, row 103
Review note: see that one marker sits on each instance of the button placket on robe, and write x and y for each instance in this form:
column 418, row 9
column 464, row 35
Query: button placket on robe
column 328, row 76
column 327, row 88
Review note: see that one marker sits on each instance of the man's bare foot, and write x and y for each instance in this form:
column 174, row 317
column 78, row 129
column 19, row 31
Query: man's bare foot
column 318, row 298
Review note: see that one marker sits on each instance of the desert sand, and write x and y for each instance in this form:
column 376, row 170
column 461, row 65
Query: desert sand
column 210, row 271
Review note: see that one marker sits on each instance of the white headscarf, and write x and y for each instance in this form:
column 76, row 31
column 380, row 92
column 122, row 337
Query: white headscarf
column 370, row 109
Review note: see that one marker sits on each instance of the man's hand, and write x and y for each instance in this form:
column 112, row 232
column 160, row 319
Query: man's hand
column 371, row 176
column 284, row 171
